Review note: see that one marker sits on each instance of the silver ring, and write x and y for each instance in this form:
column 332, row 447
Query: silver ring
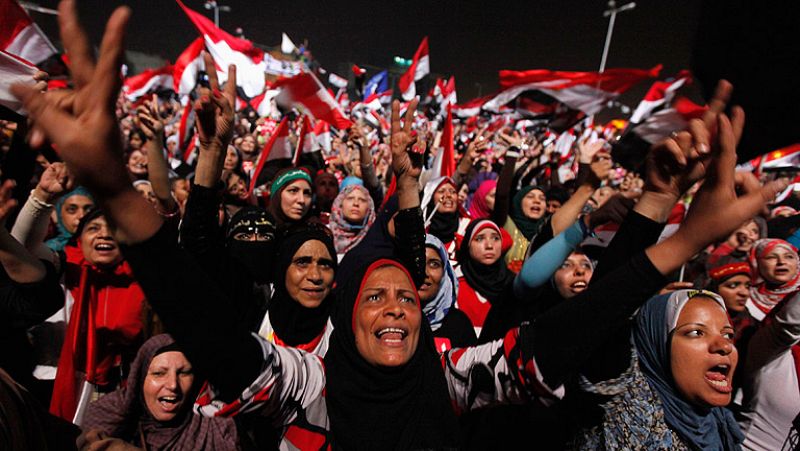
column 673, row 135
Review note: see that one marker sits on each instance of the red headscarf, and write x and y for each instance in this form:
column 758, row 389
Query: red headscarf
column 478, row 208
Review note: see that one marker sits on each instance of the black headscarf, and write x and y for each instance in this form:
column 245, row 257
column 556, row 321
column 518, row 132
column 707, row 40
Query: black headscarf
column 293, row 323
column 488, row 280
column 442, row 225
column 371, row 407
column 529, row 227
column 256, row 256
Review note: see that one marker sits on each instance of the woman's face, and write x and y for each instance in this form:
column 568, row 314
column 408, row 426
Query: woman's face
column 296, row 199
column 490, row 199
column 574, row 275
column 355, row 206
column 73, row 210
column 231, row 159
column 702, row 355
column 779, row 266
column 387, row 318
column 248, row 145
column 534, row 205
column 98, row 246
column 486, row 246
column 135, row 141
column 137, row 163
column 735, row 291
column 167, row 384
column 434, row 271
column 236, row 187
column 310, row 275
column 447, row 198
column 463, row 193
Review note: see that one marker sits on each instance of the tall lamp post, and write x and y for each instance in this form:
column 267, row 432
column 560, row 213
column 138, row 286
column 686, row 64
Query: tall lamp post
column 612, row 12
column 212, row 4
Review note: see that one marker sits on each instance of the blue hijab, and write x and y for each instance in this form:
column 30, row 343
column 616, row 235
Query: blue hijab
column 437, row 308
column 701, row 428
column 58, row 242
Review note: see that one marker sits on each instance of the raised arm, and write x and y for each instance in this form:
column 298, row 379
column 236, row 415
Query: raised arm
column 149, row 120
column 775, row 337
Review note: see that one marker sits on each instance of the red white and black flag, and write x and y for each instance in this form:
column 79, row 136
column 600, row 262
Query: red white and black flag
column 20, row 36
column 420, row 67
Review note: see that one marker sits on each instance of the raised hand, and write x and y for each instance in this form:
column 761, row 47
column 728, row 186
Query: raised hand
column 675, row 164
column 215, row 108
column 82, row 124
column 53, row 182
column 587, row 151
column 600, row 168
column 402, row 143
column 148, row 118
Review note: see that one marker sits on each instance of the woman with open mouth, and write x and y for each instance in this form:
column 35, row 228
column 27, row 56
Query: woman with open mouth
column 154, row 409
column 671, row 389
column 774, row 268
column 445, row 218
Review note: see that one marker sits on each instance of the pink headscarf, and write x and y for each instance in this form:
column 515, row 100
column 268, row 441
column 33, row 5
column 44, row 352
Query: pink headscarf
column 478, row 208
column 763, row 296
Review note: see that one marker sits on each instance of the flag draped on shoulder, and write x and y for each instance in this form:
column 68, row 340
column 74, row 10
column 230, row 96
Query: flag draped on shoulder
column 20, row 36
column 420, row 67
column 227, row 50
column 584, row 91
column 151, row 80
column 304, row 89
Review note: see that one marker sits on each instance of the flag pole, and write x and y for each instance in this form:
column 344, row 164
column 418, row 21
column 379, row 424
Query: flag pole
column 612, row 12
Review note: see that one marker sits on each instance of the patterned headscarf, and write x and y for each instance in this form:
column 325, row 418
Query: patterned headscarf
column 763, row 296
column 346, row 235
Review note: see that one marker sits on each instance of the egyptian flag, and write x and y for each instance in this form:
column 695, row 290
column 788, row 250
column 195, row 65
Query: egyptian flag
column 149, row 81
column 472, row 108
column 787, row 156
column 21, row 37
column 420, row 67
column 277, row 152
column 305, row 144
column 662, row 123
column 227, row 50
column 444, row 164
column 445, row 93
column 583, row 91
column 262, row 103
column 322, row 136
column 304, row 89
column 13, row 70
column 659, row 95
column 188, row 65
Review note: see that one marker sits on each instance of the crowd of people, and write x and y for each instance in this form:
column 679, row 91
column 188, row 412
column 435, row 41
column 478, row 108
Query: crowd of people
column 367, row 300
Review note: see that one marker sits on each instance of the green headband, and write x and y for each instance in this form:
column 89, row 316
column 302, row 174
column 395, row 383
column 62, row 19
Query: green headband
column 287, row 177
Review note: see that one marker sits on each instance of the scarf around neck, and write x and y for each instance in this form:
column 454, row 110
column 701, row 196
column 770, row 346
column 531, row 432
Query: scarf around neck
column 763, row 296
column 528, row 227
column 488, row 280
column 345, row 235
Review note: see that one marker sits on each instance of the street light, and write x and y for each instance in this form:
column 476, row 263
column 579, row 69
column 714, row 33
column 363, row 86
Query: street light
column 400, row 61
column 212, row 4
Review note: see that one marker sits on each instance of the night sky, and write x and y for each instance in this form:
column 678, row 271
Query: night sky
column 750, row 42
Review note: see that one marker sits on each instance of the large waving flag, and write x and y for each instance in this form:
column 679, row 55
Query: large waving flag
column 660, row 94
column 151, row 80
column 445, row 93
column 322, row 136
column 227, row 49
column 187, row 66
column 20, row 36
column 13, row 70
column 584, row 91
column 420, row 67
column 304, row 89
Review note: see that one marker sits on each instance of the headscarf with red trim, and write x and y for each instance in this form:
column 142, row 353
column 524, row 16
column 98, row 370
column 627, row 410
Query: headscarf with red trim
column 764, row 296
column 491, row 281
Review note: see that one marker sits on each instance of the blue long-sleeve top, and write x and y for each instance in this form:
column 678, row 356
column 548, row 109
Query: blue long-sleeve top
column 541, row 266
